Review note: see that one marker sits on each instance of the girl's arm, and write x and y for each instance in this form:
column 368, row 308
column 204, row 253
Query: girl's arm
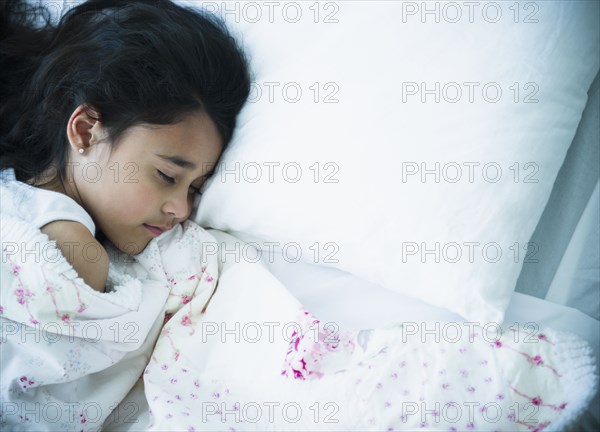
column 87, row 256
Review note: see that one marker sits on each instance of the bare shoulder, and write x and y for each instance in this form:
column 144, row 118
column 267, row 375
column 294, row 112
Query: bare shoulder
column 87, row 256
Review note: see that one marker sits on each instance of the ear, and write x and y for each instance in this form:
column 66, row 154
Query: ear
column 84, row 128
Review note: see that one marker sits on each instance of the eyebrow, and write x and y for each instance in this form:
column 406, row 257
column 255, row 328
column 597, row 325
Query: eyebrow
column 184, row 163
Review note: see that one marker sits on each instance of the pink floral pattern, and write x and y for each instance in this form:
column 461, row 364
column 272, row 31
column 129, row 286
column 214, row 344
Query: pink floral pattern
column 373, row 375
column 381, row 371
column 311, row 347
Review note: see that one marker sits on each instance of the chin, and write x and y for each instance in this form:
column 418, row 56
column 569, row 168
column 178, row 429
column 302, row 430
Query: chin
column 131, row 247
column 138, row 248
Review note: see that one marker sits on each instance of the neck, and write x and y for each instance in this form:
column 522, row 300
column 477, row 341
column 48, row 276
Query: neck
column 52, row 180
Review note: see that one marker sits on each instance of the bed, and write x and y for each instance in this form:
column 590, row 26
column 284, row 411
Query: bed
column 409, row 162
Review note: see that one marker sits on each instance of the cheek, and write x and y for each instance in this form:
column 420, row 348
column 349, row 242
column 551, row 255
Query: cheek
column 131, row 201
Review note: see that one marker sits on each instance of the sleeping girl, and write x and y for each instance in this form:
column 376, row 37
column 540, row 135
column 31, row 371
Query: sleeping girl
column 111, row 122
column 125, row 112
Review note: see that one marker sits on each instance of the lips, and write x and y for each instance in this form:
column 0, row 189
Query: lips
column 156, row 230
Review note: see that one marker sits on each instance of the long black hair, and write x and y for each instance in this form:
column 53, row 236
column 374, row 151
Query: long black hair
column 142, row 61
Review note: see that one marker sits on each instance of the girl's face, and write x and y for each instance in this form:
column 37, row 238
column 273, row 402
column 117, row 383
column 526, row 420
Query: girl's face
column 149, row 182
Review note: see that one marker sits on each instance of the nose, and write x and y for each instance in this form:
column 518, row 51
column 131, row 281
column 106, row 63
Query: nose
column 177, row 206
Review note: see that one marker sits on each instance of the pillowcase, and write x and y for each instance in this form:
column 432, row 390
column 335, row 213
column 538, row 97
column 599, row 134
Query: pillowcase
column 411, row 144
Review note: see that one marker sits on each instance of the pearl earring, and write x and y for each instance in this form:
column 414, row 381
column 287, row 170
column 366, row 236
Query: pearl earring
column 81, row 150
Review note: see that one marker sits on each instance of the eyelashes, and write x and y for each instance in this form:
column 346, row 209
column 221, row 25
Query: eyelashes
column 165, row 177
column 171, row 180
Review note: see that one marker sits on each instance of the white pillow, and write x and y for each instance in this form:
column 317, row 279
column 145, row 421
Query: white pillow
column 379, row 219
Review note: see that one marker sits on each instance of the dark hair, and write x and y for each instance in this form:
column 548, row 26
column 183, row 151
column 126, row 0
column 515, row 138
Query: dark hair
column 143, row 61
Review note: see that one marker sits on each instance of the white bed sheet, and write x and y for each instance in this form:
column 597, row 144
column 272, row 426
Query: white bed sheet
column 336, row 296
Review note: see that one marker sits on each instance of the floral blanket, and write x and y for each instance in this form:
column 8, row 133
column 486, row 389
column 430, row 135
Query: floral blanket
column 239, row 352
column 257, row 360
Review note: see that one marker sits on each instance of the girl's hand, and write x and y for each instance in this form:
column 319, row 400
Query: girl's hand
column 87, row 256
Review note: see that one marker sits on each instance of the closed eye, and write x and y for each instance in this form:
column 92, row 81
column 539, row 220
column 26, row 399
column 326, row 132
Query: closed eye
column 165, row 177
column 171, row 180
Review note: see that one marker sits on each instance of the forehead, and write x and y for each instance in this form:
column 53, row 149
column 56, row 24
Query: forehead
column 195, row 139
